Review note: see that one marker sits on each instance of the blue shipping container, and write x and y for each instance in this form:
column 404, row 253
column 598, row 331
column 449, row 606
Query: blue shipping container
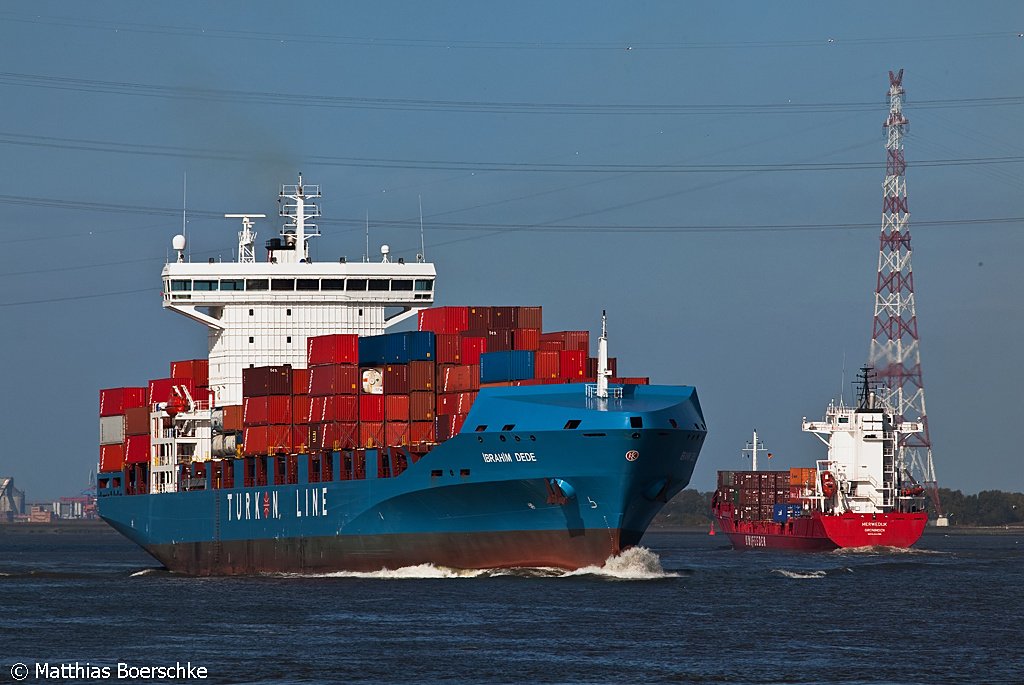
column 372, row 349
column 402, row 348
column 780, row 513
column 507, row 365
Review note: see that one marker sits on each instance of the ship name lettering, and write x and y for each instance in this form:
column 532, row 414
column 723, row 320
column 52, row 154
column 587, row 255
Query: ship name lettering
column 250, row 507
column 755, row 541
column 494, row 458
column 315, row 501
column 874, row 524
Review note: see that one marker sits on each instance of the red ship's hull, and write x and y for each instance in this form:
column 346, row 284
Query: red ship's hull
column 822, row 532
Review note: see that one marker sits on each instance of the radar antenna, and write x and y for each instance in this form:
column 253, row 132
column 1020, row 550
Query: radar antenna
column 246, row 237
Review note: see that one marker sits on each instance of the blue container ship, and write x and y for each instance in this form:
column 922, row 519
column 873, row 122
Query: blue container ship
column 532, row 473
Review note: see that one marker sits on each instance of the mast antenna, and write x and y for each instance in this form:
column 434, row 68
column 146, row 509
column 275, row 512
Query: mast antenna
column 366, row 254
column 423, row 248
column 184, row 203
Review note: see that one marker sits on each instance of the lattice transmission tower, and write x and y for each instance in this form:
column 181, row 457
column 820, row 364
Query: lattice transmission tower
column 895, row 347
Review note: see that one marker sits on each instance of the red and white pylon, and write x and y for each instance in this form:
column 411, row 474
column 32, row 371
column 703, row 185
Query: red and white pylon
column 895, row 347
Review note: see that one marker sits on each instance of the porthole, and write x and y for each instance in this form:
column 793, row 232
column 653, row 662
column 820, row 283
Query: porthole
column 517, row 438
column 501, row 437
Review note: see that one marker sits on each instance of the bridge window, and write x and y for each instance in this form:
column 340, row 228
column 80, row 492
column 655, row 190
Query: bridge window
column 307, row 284
column 282, row 284
column 332, row 284
column 379, row 284
column 257, row 284
column 636, row 422
column 232, row 284
column 424, row 285
column 356, row 284
column 401, row 285
column 204, row 285
column 178, row 286
column 571, row 425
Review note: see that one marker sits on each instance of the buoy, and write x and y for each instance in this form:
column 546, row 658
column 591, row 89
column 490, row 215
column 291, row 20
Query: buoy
column 711, row 531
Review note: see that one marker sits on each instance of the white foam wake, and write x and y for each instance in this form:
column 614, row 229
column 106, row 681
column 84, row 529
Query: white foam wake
column 636, row 563
column 884, row 549
column 146, row 572
column 799, row 574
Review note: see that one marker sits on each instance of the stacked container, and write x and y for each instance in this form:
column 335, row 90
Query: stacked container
column 267, row 419
column 115, row 403
column 334, row 385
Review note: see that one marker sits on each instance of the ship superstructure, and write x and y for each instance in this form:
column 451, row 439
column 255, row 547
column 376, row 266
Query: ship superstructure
column 261, row 313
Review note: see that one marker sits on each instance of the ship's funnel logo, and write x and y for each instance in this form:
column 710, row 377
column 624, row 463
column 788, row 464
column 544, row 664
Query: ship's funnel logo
column 632, row 455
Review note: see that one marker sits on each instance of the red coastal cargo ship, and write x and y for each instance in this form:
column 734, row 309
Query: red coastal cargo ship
column 860, row 496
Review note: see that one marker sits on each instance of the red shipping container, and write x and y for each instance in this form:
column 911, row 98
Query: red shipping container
column 571, row 340
column 529, row 317
column 455, row 402
column 115, row 401
column 526, row 339
column 342, row 435
column 396, row 408
column 233, row 417
column 259, row 411
column 546, row 364
column 301, row 408
column 592, row 366
column 472, row 348
column 421, row 432
column 444, row 320
column 448, row 348
column 196, row 369
column 260, row 381
column 339, row 348
column 336, row 379
column 300, row 381
column 422, row 406
column 396, row 433
column 499, row 339
column 550, row 345
column 136, row 449
column 371, row 408
column 422, row 375
column 479, row 318
column 572, row 363
column 300, row 439
column 270, row 439
column 448, row 425
column 333, row 408
column 112, row 457
column 160, row 389
column 136, row 421
column 396, row 379
column 371, row 433
column 456, row 378
column 504, row 317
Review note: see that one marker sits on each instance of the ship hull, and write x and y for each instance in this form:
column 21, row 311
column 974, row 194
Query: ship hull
column 824, row 532
column 538, row 496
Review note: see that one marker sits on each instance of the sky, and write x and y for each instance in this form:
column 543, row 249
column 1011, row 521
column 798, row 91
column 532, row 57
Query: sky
column 708, row 173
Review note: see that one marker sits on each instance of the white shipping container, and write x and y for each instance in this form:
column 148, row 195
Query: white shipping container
column 111, row 430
